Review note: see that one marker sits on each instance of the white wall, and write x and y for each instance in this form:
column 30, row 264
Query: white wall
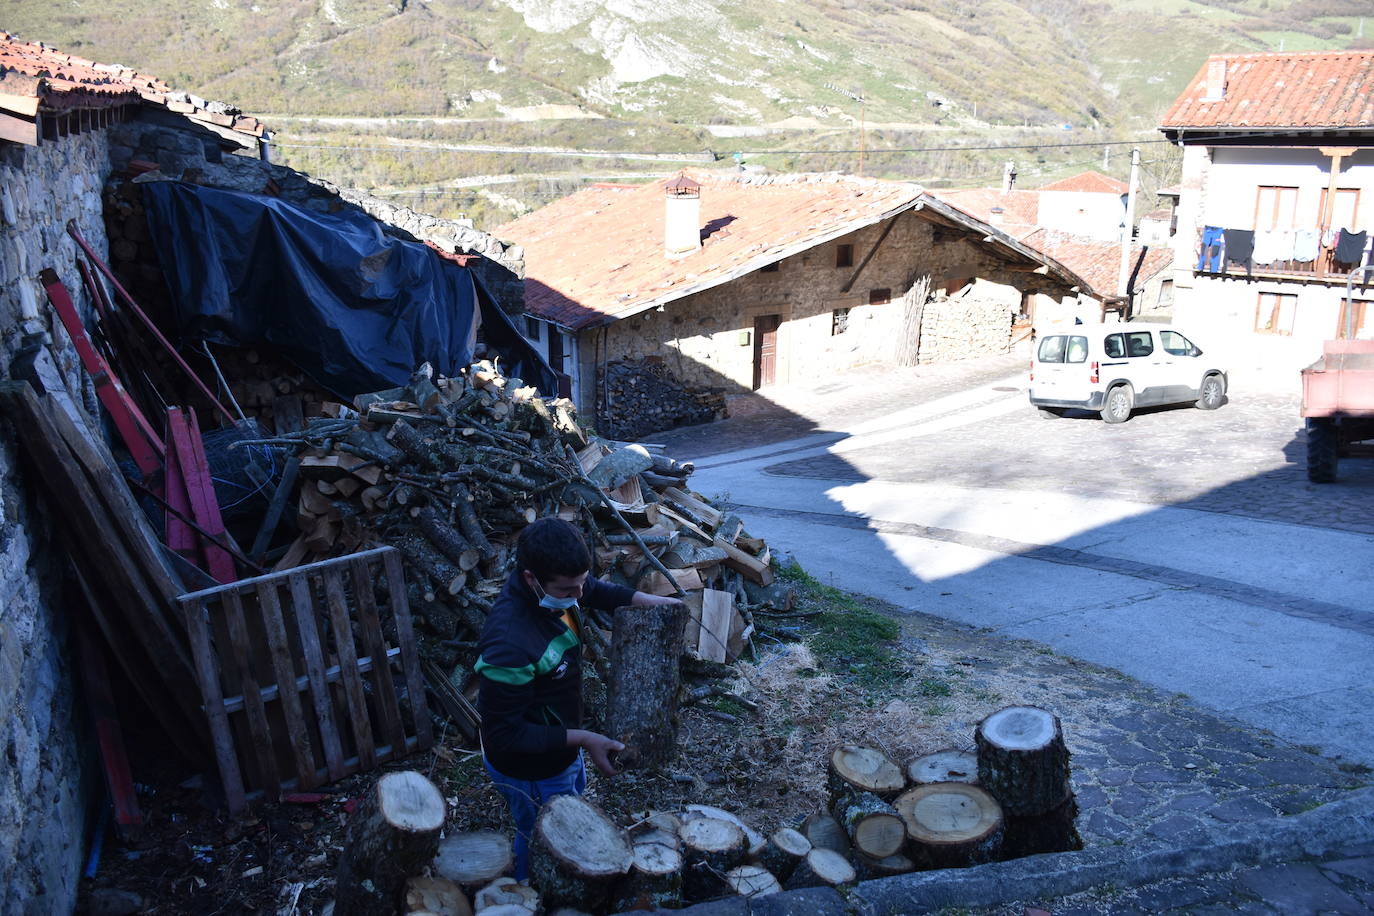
column 1091, row 214
column 1235, row 174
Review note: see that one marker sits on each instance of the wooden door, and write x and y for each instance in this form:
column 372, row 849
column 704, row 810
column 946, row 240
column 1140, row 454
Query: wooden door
column 766, row 349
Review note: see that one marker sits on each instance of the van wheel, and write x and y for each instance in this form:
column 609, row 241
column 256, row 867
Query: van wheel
column 1323, row 441
column 1051, row 413
column 1117, row 409
column 1213, row 393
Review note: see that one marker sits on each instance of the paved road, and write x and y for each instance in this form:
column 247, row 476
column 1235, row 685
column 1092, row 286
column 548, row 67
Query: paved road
column 1185, row 548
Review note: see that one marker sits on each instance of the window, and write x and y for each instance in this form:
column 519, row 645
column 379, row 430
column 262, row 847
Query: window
column 1138, row 343
column 839, row 322
column 879, row 296
column 1275, row 313
column 1175, row 344
column 556, row 350
column 1115, row 346
column 1077, row 351
column 1345, row 208
column 532, row 328
column 1166, row 293
column 771, row 268
column 844, row 255
column 1360, row 329
column 1052, row 349
column 1276, row 208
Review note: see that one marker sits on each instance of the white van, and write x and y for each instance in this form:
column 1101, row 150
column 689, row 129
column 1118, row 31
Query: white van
column 1115, row 368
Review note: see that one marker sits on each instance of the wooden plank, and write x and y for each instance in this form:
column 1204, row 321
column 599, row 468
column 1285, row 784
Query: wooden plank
column 272, row 692
column 205, row 508
column 750, row 567
column 708, row 513
column 655, row 583
column 180, row 537
column 198, row 629
column 285, row 671
column 20, row 130
column 263, row 751
column 383, row 688
column 348, row 664
column 683, row 524
column 717, row 612
column 410, row 655
column 272, row 517
column 26, row 105
column 309, row 632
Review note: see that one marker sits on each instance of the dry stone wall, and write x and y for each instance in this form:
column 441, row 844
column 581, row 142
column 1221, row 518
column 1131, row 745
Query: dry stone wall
column 964, row 327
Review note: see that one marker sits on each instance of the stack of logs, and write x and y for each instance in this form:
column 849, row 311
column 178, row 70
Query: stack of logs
column 643, row 397
column 450, row 470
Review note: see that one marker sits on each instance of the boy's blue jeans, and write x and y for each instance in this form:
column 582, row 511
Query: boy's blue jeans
column 524, row 798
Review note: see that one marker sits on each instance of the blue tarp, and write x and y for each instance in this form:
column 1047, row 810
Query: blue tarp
column 356, row 309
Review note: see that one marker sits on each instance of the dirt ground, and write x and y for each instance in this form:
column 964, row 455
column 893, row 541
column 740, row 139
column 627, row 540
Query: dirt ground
column 863, row 674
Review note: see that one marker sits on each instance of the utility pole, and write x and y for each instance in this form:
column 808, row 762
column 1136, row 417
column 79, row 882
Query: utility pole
column 1127, row 230
column 1106, row 158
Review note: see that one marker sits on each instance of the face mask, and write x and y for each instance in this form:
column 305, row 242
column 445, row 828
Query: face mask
column 556, row 604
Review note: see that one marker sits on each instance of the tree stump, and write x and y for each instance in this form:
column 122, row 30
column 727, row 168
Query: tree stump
column 951, row 824
column 641, row 703
column 869, row 868
column 576, row 853
column 711, row 847
column 474, row 859
column 824, row 832
column 821, row 868
column 872, row 824
column 944, row 766
column 392, row 835
column 752, row 881
column 863, row 769
column 1053, row 831
column 784, row 849
column 436, row 896
column 655, row 878
column 1022, row 760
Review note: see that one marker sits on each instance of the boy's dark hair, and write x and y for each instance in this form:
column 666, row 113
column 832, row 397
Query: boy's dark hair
column 551, row 547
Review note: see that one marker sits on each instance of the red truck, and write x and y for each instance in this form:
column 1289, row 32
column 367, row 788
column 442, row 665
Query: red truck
column 1338, row 396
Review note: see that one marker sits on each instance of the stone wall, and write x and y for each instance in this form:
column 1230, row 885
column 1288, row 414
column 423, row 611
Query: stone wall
column 43, row 767
column 963, row 327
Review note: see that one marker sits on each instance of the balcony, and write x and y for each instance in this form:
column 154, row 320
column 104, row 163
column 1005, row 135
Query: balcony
column 1325, row 269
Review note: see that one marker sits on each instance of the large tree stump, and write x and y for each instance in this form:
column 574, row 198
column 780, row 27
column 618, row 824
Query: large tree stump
column 641, row 704
column 392, row 835
column 872, row 824
column 1053, row 831
column 474, row 859
column 655, row 878
column 784, row 849
column 951, row 824
column 752, row 881
column 576, row 854
column 711, row 847
column 863, row 769
column 821, row 868
column 1022, row 760
column 944, row 766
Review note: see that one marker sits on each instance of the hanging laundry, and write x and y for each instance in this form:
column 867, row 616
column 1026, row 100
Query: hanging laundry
column 1240, row 246
column 1211, row 249
column 1306, row 244
column 1273, row 246
column 1350, row 247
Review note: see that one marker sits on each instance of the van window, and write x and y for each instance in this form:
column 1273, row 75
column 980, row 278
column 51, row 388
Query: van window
column 1077, row 350
column 1115, row 346
column 1139, row 343
column 1176, row 344
column 1051, row 349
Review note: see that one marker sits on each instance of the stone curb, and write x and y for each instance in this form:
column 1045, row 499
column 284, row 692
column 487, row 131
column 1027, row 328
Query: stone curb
column 1312, row 833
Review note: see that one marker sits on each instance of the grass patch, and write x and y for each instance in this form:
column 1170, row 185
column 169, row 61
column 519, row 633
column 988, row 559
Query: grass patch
column 848, row 638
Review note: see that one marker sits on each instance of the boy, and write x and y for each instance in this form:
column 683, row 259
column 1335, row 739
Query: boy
column 530, row 695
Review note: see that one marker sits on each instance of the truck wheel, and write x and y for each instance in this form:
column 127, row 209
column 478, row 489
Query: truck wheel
column 1117, row 408
column 1323, row 441
column 1213, row 393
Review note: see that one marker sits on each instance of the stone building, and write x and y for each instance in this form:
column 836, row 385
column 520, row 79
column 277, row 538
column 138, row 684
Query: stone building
column 739, row 281
column 70, row 131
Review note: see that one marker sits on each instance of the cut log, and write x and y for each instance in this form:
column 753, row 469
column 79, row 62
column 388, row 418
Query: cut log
column 869, row 868
column 392, row 835
column 474, row 859
column 655, row 583
column 943, row 766
column 821, row 868
column 753, row 840
column 752, row 881
column 752, row 568
column 655, row 878
column 1022, row 760
column 641, row 703
column 824, row 832
column 437, row 896
column 446, row 538
column 711, row 847
column 784, row 849
column 872, row 825
column 863, row 769
column 951, row 824
column 577, row 855
column 700, row 511
column 506, row 892
column 1054, row 831
column 717, row 617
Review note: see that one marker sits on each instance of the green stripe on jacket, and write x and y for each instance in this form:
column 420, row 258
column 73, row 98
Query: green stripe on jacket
column 526, row 673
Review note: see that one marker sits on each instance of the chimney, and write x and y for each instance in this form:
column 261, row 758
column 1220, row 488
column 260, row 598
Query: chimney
column 1008, row 176
column 1216, row 80
column 682, row 216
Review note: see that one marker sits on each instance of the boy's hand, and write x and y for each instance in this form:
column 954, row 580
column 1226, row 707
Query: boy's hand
column 599, row 747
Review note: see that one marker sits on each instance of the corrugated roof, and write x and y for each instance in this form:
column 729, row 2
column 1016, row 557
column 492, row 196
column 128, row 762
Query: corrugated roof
column 1306, row 90
column 35, row 76
column 597, row 255
column 1090, row 182
column 1100, row 262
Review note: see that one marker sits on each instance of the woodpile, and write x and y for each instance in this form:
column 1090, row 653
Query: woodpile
column 449, row 471
column 642, row 397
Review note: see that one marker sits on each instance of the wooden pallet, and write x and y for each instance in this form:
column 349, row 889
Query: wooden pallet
column 341, row 712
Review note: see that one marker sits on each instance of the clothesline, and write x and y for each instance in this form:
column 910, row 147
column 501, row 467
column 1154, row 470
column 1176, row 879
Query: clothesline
column 1247, row 247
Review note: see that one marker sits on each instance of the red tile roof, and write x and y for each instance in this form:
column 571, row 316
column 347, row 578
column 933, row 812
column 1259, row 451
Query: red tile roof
column 1015, row 212
column 1092, row 182
column 36, row 77
column 1311, row 89
column 597, row 255
column 1100, row 262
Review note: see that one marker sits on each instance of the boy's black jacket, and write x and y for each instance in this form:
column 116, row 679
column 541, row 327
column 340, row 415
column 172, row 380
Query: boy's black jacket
column 531, row 688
